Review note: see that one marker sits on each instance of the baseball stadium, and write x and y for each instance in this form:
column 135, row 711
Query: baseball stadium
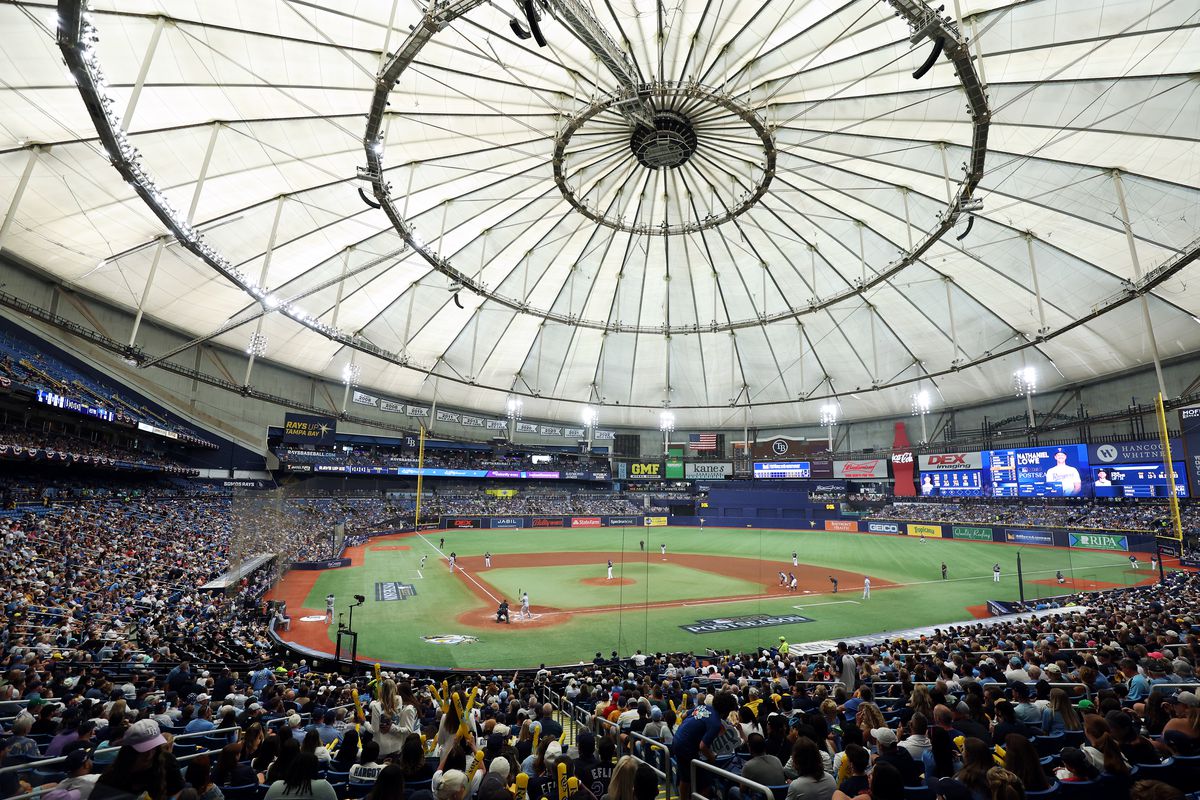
column 573, row 400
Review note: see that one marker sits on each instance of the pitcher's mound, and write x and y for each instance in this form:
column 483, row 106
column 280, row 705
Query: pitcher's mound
column 607, row 582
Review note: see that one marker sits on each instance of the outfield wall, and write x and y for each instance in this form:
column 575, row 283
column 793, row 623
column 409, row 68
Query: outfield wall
column 1044, row 536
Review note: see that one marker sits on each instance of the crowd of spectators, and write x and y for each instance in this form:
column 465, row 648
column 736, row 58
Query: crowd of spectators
column 1143, row 515
column 1099, row 693
column 21, row 444
column 443, row 458
column 529, row 503
column 34, row 368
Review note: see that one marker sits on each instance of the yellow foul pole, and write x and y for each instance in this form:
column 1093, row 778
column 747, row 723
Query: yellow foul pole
column 1168, row 465
column 420, row 477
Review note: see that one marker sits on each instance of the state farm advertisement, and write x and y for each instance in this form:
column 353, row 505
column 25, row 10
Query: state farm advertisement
column 861, row 469
column 585, row 522
column 946, row 462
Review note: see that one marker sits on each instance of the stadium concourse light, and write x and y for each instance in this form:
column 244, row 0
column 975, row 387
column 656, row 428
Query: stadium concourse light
column 666, row 424
column 1025, row 383
column 921, row 403
column 829, row 418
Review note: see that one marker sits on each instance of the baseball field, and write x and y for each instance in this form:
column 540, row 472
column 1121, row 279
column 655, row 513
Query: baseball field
column 715, row 588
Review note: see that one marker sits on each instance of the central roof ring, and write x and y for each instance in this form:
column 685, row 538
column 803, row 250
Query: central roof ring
column 671, row 144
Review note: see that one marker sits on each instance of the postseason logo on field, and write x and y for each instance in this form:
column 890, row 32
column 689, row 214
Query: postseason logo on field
column 386, row 591
column 725, row 624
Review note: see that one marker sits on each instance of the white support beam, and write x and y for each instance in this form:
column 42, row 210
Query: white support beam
column 907, row 219
column 950, row 312
column 341, row 287
column 262, row 280
column 15, row 203
column 941, row 146
column 143, row 71
column 1037, row 289
column 212, row 144
column 1119, row 185
column 159, row 246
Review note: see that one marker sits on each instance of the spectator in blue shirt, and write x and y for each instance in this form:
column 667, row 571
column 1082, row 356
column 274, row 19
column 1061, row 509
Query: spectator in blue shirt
column 1138, row 684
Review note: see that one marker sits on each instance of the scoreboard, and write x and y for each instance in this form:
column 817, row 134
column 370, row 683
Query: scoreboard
column 783, row 469
column 951, row 483
column 1137, row 480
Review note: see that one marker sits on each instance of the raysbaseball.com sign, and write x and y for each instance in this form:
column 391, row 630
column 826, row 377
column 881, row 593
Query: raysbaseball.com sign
column 724, row 624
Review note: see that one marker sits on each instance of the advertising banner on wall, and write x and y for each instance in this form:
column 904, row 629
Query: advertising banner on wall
column 949, row 462
column 844, row 525
column 861, row 469
column 1099, row 541
column 463, row 522
column 507, row 522
column 1130, row 452
column 707, row 470
column 883, row 527
column 585, row 522
column 1189, row 428
column 639, row 470
column 1023, row 536
column 654, row 522
column 928, row 531
column 904, row 482
column 547, row 522
column 969, row 532
column 308, row 429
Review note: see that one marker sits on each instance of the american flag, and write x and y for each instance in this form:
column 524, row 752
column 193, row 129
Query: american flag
column 702, row 441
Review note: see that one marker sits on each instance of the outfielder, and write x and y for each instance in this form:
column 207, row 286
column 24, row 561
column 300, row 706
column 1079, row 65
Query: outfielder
column 610, row 569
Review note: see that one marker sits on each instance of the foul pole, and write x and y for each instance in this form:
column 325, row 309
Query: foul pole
column 1172, row 493
column 420, row 477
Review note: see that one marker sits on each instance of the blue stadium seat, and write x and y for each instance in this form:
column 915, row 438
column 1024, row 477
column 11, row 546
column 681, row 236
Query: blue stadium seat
column 1051, row 792
column 1048, row 745
column 780, row 791
column 247, row 791
column 357, row 790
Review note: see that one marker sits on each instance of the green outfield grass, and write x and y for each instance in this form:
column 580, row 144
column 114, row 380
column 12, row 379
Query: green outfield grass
column 392, row 631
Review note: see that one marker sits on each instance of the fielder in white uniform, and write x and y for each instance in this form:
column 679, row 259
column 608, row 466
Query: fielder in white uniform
column 610, row 569
column 866, row 588
column 525, row 606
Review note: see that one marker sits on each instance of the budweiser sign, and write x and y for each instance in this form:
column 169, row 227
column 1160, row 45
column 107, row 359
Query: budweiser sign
column 863, row 469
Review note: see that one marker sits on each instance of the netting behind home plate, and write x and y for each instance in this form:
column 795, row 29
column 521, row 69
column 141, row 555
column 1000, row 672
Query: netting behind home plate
column 287, row 523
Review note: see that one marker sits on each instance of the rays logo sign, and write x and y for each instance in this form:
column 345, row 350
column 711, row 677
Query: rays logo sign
column 723, row 624
column 450, row 638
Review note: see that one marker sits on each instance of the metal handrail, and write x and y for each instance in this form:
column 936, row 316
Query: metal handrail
column 665, row 772
column 725, row 774
column 48, row 762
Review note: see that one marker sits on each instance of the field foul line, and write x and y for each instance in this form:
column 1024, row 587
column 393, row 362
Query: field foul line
column 466, row 574
column 830, row 603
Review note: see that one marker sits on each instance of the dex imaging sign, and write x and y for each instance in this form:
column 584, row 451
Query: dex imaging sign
column 946, row 462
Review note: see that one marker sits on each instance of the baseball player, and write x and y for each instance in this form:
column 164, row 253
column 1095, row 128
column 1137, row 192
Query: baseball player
column 453, row 560
column 610, row 569
column 791, row 582
column 782, row 578
column 442, row 543
column 423, row 562
column 1153, row 562
column 943, row 570
column 642, row 545
column 328, row 609
column 834, row 581
column 1058, row 576
column 1133, row 561
column 663, row 549
column 487, row 559
column 996, row 572
column 525, row 606
column 866, row 588
column 795, row 559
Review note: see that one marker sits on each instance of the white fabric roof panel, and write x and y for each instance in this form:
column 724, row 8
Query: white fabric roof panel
column 1076, row 90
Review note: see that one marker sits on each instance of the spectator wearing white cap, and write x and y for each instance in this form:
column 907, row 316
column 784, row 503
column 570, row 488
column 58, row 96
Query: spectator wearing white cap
column 144, row 764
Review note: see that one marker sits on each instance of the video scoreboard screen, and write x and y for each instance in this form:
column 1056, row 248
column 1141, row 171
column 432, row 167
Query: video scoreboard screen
column 782, row 469
column 949, row 483
column 1039, row 471
column 1136, row 480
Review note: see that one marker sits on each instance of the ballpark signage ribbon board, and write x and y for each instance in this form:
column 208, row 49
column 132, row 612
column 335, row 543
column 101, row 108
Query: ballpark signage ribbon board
column 724, row 624
column 931, row 531
column 968, row 532
column 1099, row 541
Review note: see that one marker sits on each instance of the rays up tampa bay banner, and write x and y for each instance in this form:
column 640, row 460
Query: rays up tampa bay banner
column 308, row 429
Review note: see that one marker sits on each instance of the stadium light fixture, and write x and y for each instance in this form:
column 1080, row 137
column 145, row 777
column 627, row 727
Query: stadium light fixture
column 921, row 403
column 829, row 418
column 1025, row 381
column 257, row 346
column 590, row 417
column 666, row 424
column 514, row 407
column 351, row 373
